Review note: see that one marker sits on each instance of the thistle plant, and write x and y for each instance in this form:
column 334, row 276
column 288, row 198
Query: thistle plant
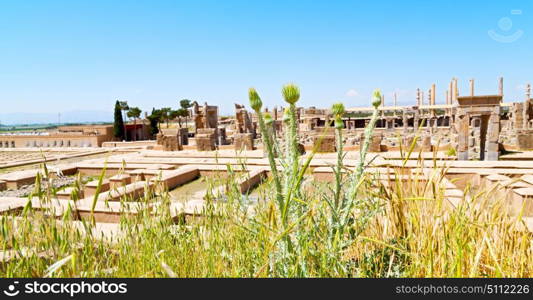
column 338, row 110
column 291, row 95
column 369, row 130
column 256, row 104
column 356, row 178
column 269, row 122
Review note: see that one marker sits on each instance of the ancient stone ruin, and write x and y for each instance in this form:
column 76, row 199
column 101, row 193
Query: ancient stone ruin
column 207, row 135
column 244, row 134
column 171, row 139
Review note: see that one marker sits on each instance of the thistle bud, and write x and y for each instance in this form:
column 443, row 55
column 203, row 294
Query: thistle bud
column 291, row 93
column 268, row 118
column 338, row 122
column 337, row 109
column 376, row 98
column 255, row 100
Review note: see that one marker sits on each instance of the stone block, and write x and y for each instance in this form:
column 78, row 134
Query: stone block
column 327, row 143
column 524, row 139
column 169, row 140
column 119, row 180
column 90, row 187
column 462, row 155
column 66, row 194
column 375, row 142
column 244, row 141
column 205, row 142
column 492, row 155
column 426, row 143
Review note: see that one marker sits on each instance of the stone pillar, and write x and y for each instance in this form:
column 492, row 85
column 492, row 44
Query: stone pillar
column 433, row 90
column 492, row 151
column 462, row 125
column 416, row 121
column 474, row 138
column 417, row 97
column 500, row 87
column 449, row 94
column 395, row 103
column 525, row 108
column 426, row 143
column 472, row 87
column 455, row 92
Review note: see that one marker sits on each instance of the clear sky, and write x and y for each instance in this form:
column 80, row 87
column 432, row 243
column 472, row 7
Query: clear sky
column 83, row 55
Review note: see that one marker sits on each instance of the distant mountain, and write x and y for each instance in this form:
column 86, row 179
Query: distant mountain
column 75, row 116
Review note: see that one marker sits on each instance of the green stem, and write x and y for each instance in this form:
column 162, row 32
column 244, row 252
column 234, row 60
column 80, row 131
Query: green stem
column 268, row 142
column 294, row 140
column 369, row 130
column 338, row 174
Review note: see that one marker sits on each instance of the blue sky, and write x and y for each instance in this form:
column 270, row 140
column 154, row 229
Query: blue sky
column 58, row 56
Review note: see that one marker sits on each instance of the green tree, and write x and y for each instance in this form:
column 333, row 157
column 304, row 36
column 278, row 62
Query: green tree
column 185, row 104
column 124, row 108
column 166, row 114
column 181, row 113
column 174, row 114
column 155, row 119
column 118, row 125
column 134, row 113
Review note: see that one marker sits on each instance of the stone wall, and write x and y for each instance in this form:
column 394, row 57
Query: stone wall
column 243, row 141
column 205, row 139
column 524, row 139
column 171, row 139
column 324, row 139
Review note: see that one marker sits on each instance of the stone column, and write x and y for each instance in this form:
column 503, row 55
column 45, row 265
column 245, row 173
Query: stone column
column 493, row 133
column 395, row 103
column 462, row 125
column 525, row 108
column 404, row 121
column 433, row 90
column 455, row 91
column 472, row 87
column 500, row 87
column 448, row 111
column 449, row 94
column 416, row 119
column 474, row 141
